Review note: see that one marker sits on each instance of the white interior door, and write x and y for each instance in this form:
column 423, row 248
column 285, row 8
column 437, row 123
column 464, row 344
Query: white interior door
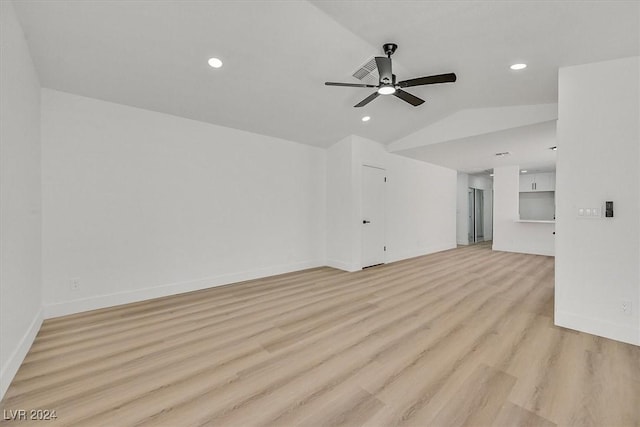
column 373, row 244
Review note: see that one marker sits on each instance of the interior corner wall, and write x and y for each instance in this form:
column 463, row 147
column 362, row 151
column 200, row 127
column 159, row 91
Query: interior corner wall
column 462, row 209
column 20, row 198
column 508, row 234
column 597, row 262
column 139, row 204
column 420, row 204
column 341, row 206
column 421, row 208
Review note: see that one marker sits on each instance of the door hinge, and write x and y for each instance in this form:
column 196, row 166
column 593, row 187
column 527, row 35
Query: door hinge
column 385, row 248
column 385, row 179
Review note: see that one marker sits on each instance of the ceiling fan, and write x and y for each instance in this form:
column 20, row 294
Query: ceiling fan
column 388, row 85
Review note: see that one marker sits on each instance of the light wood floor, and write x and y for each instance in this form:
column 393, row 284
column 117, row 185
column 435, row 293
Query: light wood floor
column 462, row 337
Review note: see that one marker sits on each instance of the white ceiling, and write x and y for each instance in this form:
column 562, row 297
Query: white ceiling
column 529, row 147
column 278, row 54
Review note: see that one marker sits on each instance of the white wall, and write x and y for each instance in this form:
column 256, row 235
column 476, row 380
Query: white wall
column 20, row 198
column 597, row 265
column 420, row 203
column 509, row 235
column 538, row 205
column 421, row 208
column 139, row 204
column 341, row 205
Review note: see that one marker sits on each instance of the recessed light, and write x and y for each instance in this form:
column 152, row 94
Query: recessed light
column 518, row 66
column 523, row 171
column 554, row 148
column 366, row 118
column 215, row 62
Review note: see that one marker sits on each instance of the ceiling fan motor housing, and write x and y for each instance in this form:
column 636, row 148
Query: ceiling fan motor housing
column 387, row 84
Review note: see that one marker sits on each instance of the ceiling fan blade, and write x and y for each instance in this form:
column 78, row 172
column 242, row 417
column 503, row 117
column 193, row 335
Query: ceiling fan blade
column 406, row 96
column 367, row 100
column 384, row 69
column 438, row 78
column 348, row 84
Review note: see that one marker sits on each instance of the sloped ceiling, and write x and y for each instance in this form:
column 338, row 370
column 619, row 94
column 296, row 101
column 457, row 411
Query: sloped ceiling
column 278, row 54
column 528, row 146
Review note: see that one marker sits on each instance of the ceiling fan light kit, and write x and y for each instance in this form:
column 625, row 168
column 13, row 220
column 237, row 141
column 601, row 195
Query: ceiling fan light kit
column 387, row 90
column 387, row 84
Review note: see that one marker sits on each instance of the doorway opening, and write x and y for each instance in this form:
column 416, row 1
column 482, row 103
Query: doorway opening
column 478, row 218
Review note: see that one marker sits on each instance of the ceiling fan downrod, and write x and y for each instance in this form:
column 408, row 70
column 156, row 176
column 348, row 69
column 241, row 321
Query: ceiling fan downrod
column 389, row 49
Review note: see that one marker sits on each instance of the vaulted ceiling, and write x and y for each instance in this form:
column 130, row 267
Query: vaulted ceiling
column 278, row 54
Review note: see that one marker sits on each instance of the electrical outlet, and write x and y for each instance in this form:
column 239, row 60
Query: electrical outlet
column 626, row 308
column 74, row 284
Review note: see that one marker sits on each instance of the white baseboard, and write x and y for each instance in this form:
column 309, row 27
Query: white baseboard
column 341, row 265
column 393, row 257
column 10, row 368
column 524, row 251
column 602, row 328
column 420, row 252
column 109, row 300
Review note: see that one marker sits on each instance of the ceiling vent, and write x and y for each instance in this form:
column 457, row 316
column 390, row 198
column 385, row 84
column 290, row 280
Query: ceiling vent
column 504, row 153
column 368, row 73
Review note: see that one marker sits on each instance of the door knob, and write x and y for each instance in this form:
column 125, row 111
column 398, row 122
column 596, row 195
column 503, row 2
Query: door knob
column 364, row 221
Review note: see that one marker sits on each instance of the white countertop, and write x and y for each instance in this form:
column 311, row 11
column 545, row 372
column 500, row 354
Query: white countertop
column 537, row 221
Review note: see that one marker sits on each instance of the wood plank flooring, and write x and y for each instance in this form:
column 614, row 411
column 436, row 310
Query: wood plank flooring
column 461, row 337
